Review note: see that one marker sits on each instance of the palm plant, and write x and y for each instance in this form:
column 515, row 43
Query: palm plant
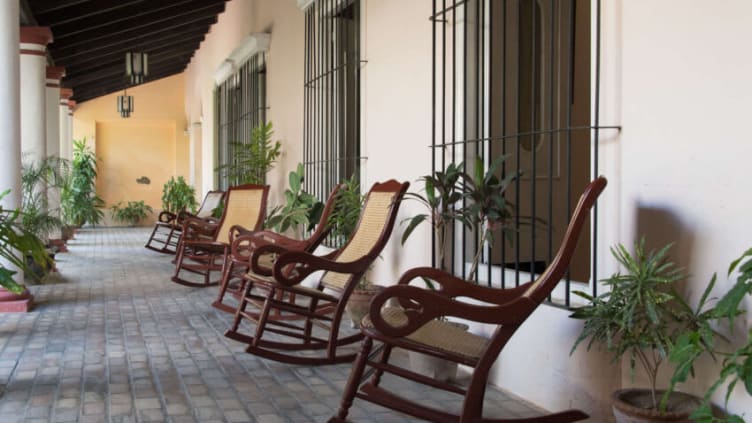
column 79, row 197
column 641, row 313
column 37, row 180
column 16, row 245
column 252, row 161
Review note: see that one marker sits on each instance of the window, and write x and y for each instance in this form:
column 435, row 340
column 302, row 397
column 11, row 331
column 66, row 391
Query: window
column 241, row 106
column 331, row 147
column 513, row 78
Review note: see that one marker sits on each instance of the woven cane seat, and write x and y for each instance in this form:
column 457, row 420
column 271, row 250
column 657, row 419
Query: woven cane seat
column 446, row 336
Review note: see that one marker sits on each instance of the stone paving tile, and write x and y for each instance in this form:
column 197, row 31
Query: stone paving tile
column 113, row 340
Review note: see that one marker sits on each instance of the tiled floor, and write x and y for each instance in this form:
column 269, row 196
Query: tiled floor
column 113, row 340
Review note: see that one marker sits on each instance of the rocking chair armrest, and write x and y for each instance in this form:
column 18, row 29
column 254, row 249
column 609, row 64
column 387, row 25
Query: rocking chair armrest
column 452, row 286
column 428, row 305
column 195, row 227
column 166, row 217
column 306, row 263
column 262, row 250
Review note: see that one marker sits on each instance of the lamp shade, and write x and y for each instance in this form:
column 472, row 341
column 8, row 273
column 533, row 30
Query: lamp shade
column 136, row 67
column 125, row 105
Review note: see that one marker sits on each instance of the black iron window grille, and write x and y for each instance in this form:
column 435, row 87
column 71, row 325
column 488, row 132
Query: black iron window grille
column 331, row 142
column 513, row 78
column 241, row 106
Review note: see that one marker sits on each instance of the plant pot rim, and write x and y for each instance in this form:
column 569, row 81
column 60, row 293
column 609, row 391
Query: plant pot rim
column 619, row 402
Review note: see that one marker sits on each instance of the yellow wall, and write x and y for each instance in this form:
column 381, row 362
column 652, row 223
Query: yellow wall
column 152, row 142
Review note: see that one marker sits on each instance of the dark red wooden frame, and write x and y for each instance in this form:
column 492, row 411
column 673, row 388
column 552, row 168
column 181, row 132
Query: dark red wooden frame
column 290, row 269
column 509, row 310
column 200, row 252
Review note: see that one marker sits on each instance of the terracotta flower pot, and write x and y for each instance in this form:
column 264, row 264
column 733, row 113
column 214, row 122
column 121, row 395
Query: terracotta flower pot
column 15, row 303
column 359, row 302
column 633, row 406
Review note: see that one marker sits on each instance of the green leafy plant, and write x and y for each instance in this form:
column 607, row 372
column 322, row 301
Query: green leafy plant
column 488, row 209
column 16, row 245
column 301, row 211
column 442, row 191
column 736, row 366
column 178, row 196
column 252, row 161
column 79, row 197
column 38, row 179
column 641, row 314
column 131, row 213
column 346, row 211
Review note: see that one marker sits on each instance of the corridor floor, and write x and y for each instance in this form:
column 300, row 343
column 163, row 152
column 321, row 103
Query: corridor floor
column 111, row 339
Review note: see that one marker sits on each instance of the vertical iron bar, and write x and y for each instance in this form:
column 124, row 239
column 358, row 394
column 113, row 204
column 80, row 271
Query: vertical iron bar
column 433, row 118
column 597, row 139
column 552, row 56
column 534, row 127
column 570, row 87
column 504, row 124
column 454, row 122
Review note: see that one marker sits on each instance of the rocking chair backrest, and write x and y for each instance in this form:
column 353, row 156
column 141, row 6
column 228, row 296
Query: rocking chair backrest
column 372, row 231
column 546, row 282
column 211, row 202
column 245, row 205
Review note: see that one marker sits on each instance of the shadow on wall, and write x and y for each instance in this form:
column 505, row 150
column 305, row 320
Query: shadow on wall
column 661, row 226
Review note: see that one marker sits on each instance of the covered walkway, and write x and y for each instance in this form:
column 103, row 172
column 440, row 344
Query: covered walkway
column 111, row 339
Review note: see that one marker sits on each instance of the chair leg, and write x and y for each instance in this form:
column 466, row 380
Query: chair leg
column 178, row 262
column 224, row 284
column 385, row 353
column 263, row 317
column 353, row 382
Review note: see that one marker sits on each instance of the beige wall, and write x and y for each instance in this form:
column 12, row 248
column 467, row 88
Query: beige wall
column 681, row 89
column 152, row 142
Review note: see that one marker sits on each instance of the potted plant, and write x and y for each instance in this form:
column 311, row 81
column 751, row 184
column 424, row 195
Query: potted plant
column 16, row 245
column 80, row 201
column 343, row 219
column 641, row 315
column 736, row 366
column 251, row 161
column 131, row 213
column 301, row 211
column 178, row 196
column 443, row 190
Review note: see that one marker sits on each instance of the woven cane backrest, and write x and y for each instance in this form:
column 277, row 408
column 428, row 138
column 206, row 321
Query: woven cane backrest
column 368, row 233
column 211, row 202
column 243, row 207
column 546, row 282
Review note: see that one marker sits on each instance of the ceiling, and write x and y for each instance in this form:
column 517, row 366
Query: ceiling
column 91, row 37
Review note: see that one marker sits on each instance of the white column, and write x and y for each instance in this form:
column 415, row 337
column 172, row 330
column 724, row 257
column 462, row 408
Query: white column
column 34, row 40
column 10, row 138
column 66, row 144
column 52, row 111
column 71, row 108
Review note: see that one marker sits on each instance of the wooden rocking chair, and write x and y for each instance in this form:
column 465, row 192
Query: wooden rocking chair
column 413, row 326
column 342, row 270
column 243, row 244
column 204, row 247
column 169, row 227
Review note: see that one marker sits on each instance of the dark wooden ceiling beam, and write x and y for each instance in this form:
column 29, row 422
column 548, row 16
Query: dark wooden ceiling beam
column 132, row 39
column 167, row 18
column 78, row 10
column 94, row 91
column 46, row 6
column 83, row 63
column 116, row 21
column 186, row 47
column 116, row 70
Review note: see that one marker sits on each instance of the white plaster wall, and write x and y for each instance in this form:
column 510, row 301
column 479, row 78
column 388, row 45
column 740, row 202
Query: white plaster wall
column 677, row 79
column 284, row 21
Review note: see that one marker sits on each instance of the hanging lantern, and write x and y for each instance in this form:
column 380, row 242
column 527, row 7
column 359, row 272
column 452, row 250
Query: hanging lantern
column 125, row 104
column 136, row 67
